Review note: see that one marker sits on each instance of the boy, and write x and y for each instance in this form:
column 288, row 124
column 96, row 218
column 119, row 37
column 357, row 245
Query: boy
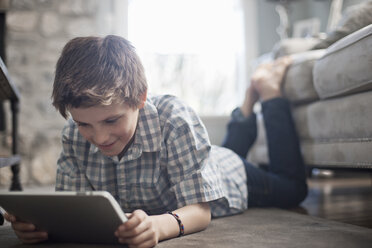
column 153, row 153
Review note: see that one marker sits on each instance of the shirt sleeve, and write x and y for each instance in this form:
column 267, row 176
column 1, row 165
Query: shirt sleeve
column 241, row 133
column 188, row 149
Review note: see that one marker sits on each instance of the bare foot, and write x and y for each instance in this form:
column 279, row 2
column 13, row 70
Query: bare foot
column 251, row 97
column 267, row 79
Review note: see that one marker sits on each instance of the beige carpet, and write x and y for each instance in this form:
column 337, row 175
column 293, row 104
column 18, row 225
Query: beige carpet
column 255, row 228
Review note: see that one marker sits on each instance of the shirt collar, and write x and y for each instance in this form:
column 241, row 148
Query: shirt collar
column 148, row 133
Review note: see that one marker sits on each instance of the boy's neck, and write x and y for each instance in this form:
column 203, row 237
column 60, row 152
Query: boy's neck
column 121, row 154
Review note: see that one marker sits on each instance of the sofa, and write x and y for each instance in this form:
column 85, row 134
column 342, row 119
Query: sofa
column 329, row 86
column 330, row 91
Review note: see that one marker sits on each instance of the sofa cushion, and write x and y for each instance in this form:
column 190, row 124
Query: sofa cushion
column 346, row 66
column 298, row 84
column 336, row 120
column 333, row 133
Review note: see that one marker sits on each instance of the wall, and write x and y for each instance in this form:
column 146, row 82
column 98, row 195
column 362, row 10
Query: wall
column 268, row 18
column 36, row 32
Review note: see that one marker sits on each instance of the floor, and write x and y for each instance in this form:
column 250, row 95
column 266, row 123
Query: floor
column 344, row 197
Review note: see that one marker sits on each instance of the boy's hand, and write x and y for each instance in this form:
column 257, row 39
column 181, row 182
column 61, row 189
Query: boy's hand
column 139, row 231
column 268, row 78
column 26, row 232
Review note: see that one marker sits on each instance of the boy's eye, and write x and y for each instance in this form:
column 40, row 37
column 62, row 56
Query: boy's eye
column 81, row 124
column 111, row 121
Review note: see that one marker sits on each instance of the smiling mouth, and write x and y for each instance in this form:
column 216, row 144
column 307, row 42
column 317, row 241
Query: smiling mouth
column 106, row 147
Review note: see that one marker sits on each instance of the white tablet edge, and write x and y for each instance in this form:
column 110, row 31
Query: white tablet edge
column 113, row 202
column 105, row 194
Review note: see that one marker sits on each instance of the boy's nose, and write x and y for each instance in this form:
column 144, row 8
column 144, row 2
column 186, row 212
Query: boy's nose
column 100, row 137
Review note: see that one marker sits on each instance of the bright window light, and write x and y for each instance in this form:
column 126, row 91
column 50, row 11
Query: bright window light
column 192, row 49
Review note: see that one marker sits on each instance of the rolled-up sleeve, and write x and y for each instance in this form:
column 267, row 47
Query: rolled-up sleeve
column 188, row 164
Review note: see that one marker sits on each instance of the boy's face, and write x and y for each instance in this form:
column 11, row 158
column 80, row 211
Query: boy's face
column 110, row 128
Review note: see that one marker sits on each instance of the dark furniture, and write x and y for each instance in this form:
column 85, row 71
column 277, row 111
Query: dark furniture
column 8, row 92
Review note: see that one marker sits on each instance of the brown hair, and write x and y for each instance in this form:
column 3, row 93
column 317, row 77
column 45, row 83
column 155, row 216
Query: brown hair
column 94, row 71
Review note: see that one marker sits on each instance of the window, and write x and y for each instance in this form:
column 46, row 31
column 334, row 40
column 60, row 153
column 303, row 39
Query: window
column 193, row 49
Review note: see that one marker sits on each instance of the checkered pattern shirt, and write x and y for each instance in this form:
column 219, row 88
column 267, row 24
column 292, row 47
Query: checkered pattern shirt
column 170, row 164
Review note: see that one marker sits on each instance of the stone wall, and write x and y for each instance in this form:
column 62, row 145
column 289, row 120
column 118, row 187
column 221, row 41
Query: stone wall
column 36, row 32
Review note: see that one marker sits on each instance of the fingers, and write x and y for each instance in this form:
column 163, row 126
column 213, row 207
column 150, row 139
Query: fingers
column 265, row 71
column 26, row 231
column 27, row 234
column 31, row 237
column 9, row 217
column 134, row 226
column 281, row 65
column 268, row 78
column 144, row 239
column 138, row 231
column 285, row 60
column 262, row 71
column 134, row 219
column 23, row 227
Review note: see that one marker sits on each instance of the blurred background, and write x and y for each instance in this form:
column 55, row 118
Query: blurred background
column 200, row 50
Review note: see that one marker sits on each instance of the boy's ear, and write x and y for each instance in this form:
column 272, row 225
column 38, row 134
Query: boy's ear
column 143, row 100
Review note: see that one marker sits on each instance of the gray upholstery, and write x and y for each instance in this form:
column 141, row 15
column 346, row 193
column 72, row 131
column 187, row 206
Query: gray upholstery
column 346, row 67
column 333, row 133
column 332, row 107
column 343, row 119
column 299, row 87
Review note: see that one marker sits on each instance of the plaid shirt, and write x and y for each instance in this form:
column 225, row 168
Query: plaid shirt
column 170, row 164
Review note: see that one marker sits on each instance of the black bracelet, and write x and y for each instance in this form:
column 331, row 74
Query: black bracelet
column 182, row 228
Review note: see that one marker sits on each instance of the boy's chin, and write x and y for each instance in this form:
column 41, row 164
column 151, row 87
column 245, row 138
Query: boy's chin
column 110, row 153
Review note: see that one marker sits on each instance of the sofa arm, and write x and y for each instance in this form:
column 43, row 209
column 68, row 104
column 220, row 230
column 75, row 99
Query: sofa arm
column 298, row 84
column 346, row 66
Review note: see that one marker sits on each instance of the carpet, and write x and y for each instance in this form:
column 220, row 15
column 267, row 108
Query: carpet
column 254, row 228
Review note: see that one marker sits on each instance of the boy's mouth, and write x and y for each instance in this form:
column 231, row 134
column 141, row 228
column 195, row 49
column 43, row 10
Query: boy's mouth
column 106, row 146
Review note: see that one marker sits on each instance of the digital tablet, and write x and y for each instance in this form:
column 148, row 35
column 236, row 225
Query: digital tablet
column 79, row 217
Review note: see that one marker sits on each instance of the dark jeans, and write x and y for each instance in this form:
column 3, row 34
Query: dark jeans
column 284, row 183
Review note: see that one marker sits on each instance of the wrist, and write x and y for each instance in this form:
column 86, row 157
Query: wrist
column 160, row 234
column 270, row 95
column 251, row 97
column 179, row 222
column 166, row 226
column 246, row 111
